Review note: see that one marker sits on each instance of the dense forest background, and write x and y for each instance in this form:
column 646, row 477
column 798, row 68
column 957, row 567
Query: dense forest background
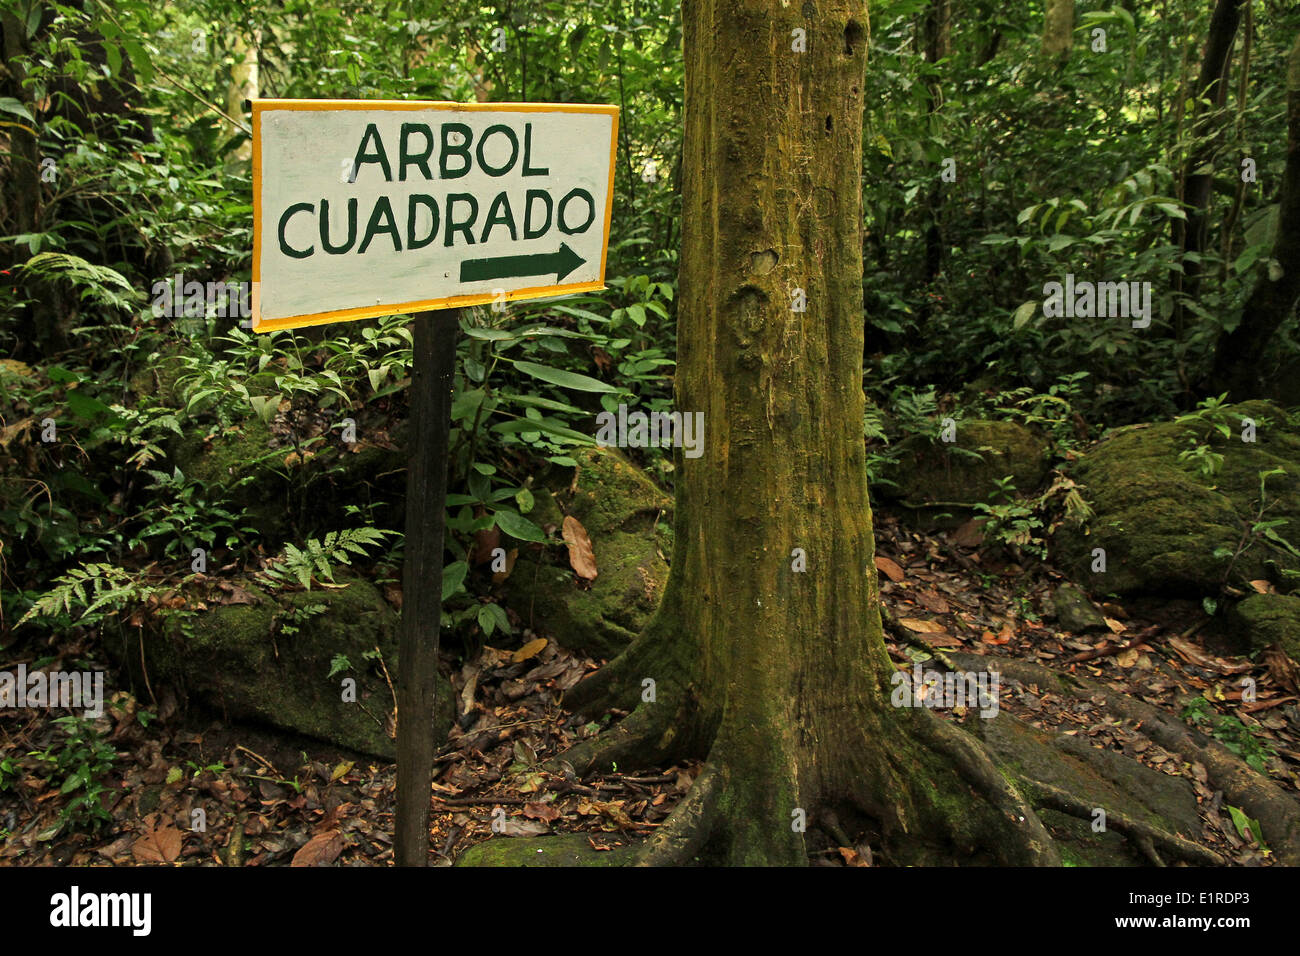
column 152, row 448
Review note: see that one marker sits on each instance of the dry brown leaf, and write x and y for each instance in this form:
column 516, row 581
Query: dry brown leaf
column 531, row 649
column 1116, row 627
column 921, row 626
column 889, row 568
column 161, row 845
column 942, row 639
column 321, row 850
column 932, row 601
column 581, row 557
column 541, row 811
column 1262, row 586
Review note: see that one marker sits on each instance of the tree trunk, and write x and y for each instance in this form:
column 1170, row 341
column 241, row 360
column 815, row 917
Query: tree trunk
column 1237, row 364
column 1211, row 84
column 1058, row 30
column 780, row 677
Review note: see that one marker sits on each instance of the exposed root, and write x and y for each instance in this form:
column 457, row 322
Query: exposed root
column 1144, row 836
column 1277, row 811
column 1026, row 841
column 636, row 739
column 688, row 827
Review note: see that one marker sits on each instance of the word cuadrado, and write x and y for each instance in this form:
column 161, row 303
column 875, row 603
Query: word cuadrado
column 175, row 298
column 683, row 430
column 952, row 689
column 1110, row 300
column 69, row 689
column 73, row 909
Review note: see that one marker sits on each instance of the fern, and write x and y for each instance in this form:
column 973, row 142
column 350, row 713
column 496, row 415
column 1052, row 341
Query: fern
column 98, row 284
column 89, row 589
column 318, row 558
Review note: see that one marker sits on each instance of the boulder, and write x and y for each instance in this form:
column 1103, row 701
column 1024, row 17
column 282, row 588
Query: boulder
column 1075, row 613
column 966, row 472
column 628, row 518
column 1267, row 619
column 1165, row 526
column 268, row 659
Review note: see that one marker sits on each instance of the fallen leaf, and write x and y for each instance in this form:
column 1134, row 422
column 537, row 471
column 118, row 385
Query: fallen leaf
column 531, row 649
column 969, row 535
column 161, row 845
column 541, row 811
column 342, row 769
column 889, row 568
column 932, row 601
column 1127, row 658
column 1263, row 587
column 921, row 626
column 320, row 850
column 581, row 557
column 1116, row 627
column 519, row 828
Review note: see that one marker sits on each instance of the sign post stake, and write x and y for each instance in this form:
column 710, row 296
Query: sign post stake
column 432, row 366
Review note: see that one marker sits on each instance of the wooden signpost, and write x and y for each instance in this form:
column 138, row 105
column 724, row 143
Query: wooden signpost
column 370, row 208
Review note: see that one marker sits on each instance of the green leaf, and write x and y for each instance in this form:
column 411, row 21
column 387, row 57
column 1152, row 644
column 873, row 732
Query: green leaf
column 453, row 576
column 565, row 379
column 10, row 105
column 1024, row 314
column 517, row 526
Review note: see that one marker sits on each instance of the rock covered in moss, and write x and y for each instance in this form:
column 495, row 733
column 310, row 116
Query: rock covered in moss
column 1267, row 619
column 966, row 471
column 1167, row 527
column 1074, row 612
column 269, row 661
column 628, row 518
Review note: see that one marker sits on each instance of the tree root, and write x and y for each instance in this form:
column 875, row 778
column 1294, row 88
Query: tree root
column 637, row 738
column 688, row 827
column 1277, row 812
column 1033, row 845
column 1144, row 836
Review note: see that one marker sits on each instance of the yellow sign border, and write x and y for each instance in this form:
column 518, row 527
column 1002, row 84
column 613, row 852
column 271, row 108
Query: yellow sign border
column 370, row 312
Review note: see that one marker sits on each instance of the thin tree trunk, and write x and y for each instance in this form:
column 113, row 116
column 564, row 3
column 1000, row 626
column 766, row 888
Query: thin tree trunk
column 1237, row 366
column 1209, row 98
column 1058, row 31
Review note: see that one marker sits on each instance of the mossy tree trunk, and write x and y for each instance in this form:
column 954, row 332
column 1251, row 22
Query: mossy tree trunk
column 1058, row 31
column 780, row 677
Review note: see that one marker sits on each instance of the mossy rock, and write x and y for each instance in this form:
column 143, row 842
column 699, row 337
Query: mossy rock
column 1101, row 778
column 628, row 518
column 562, row 849
column 243, row 464
column 1267, row 619
column 966, row 471
column 246, row 662
column 1160, row 520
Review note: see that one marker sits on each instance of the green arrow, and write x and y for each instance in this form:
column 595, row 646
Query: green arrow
column 512, row 267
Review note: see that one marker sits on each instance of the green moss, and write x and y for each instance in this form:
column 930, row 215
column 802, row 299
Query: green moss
column 564, row 849
column 245, row 661
column 936, row 471
column 627, row 517
column 1266, row 619
column 1160, row 520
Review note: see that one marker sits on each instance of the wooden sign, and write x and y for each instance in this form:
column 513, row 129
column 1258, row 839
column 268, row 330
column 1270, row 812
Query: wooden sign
column 368, row 208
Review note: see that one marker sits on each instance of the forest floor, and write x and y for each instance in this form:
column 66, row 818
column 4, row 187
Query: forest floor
column 271, row 798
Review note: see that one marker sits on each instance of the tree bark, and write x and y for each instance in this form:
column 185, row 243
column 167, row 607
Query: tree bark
column 1211, row 85
column 779, row 677
column 1058, row 30
column 1237, row 366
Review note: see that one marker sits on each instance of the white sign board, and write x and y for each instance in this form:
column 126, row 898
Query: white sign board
column 365, row 208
